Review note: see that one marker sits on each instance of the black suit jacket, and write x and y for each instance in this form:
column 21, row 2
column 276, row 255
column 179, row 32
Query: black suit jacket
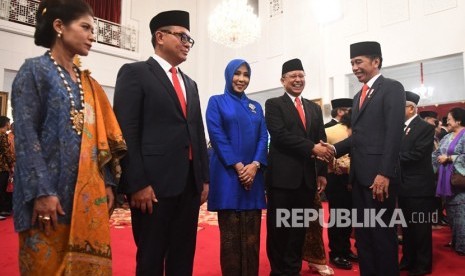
column 331, row 123
column 415, row 158
column 290, row 158
column 156, row 132
column 377, row 130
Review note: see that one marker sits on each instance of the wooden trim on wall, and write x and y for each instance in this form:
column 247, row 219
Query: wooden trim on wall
column 3, row 103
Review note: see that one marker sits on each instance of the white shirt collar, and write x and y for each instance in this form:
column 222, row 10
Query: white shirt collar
column 293, row 98
column 372, row 80
column 163, row 63
column 407, row 123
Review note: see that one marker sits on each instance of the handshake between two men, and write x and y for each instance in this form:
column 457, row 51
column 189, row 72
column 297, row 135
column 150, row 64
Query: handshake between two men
column 324, row 151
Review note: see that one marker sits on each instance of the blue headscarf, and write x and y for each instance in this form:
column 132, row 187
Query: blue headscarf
column 231, row 68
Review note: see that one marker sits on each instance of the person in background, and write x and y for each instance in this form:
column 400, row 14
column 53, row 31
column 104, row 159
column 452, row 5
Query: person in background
column 238, row 134
column 165, row 174
column 449, row 159
column 441, row 129
column 68, row 144
column 313, row 251
column 431, row 118
column 11, row 138
column 294, row 173
column 417, row 190
column 338, row 110
column 339, row 192
column 377, row 118
column 7, row 161
column 444, row 126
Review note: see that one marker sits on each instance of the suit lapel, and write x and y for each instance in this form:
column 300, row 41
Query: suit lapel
column 189, row 89
column 371, row 94
column 308, row 114
column 292, row 109
column 163, row 77
column 411, row 128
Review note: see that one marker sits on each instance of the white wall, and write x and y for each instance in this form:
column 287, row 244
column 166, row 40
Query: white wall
column 408, row 30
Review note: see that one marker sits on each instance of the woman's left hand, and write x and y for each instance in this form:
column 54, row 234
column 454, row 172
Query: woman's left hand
column 443, row 159
column 247, row 175
column 110, row 199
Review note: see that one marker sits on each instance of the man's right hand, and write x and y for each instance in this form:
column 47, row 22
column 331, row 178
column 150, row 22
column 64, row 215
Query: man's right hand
column 323, row 151
column 143, row 199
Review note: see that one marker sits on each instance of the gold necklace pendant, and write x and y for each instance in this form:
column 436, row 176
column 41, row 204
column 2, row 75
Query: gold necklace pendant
column 77, row 120
column 76, row 116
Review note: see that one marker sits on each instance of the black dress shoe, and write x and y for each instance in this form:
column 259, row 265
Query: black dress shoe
column 351, row 257
column 5, row 214
column 341, row 263
column 419, row 272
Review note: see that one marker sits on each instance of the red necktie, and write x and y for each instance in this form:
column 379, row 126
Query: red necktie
column 182, row 101
column 364, row 94
column 178, row 89
column 298, row 105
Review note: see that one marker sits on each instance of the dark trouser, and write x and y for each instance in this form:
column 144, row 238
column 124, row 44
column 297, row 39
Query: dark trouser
column 339, row 197
column 417, row 248
column 166, row 238
column 5, row 198
column 240, row 242
column 284, row 244
column 377, row 246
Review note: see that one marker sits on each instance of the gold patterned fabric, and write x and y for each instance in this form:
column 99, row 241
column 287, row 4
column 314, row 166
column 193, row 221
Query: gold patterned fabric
column 40, row 254
column 240, row 242
column 7, row 158
column 82, row 248
column 314, row 249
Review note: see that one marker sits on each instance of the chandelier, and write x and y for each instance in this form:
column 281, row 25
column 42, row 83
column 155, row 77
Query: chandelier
column 425, row 92
column 233, row 24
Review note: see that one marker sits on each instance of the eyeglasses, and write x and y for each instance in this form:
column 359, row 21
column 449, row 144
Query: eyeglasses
column 184, row 38
column 295, row 76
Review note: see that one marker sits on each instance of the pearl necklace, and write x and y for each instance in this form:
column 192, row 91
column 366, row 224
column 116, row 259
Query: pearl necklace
column 76, row 116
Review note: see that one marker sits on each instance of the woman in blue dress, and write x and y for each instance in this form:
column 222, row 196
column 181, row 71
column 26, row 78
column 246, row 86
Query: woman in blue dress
column 68, row 145
column 238, row 134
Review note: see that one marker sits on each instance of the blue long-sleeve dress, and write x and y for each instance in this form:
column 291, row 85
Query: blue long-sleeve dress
column 237, row 131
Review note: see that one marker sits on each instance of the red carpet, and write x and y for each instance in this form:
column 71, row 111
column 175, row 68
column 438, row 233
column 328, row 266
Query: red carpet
column 207, row 263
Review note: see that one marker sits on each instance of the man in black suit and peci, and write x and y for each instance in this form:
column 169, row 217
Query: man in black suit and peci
column 378, row 114
column 294, row 172
column 165, row 173
column 417, row 190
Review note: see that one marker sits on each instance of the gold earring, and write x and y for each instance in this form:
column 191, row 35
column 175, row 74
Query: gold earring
column 59, row 35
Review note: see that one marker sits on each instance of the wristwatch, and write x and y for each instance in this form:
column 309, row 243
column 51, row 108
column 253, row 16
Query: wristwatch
column 256, row 163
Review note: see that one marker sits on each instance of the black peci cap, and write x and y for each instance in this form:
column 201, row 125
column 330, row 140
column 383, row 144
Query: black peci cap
column 365, row 48
column 169, row 18
column 412, row 97
column 430, row 114
column 342, row 103
column 292, row 65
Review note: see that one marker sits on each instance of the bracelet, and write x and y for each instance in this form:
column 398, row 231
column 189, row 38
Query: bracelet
column 256, row 163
